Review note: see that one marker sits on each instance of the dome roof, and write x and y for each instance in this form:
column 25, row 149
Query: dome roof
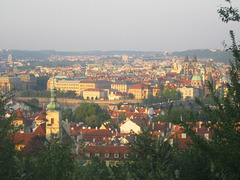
column 196, row 78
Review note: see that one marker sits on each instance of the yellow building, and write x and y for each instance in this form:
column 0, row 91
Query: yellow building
column 29, row 81
column 77, row 85
column 140, row 91
column 9, row 83
column 189, row 92
column 121, row 86
column 93, row 94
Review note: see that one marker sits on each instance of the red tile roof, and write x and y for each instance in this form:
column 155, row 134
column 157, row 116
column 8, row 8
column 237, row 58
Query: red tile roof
column 111, row 150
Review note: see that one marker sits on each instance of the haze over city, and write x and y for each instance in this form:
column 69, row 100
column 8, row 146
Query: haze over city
column 140, row 25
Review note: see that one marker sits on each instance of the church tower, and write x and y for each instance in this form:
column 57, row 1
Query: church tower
column 186, row 66
column 195, row 65
column 53, row 115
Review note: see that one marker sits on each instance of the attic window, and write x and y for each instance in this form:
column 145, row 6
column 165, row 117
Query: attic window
column 107, row 155
column 206, row 135
column 184, row 135
column 116, row 156
column 126, row 156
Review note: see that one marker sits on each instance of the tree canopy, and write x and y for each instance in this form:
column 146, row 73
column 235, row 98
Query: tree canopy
column 91, row 114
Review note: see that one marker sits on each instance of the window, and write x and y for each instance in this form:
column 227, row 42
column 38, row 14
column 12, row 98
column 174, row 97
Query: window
column 116, row 155
column 52, row 121
column 97, row 154
column 183, row 135
column 107, row 155
column 206, row 135
column 126, row 156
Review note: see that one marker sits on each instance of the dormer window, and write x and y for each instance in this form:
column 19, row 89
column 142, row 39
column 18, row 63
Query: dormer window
column 107, row 155
column 116, row 155
column 126, row 156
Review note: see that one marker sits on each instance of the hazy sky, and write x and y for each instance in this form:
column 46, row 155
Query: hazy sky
column 79, row 25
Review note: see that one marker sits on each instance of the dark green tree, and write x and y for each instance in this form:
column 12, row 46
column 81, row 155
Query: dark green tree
column 131, row 96
column 54, row 161
column 151, row 158
column 90, row 113
column 68, row 114
column 8, row 153
column 42, row 83
column 122, row 116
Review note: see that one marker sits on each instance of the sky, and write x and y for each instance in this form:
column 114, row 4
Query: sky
column 132, row 25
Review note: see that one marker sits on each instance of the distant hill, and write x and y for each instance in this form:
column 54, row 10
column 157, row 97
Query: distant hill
column 44, row 54
column 216, row 55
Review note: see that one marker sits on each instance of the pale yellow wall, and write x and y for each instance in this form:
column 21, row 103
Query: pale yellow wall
column 130, row 126
column 52, row 128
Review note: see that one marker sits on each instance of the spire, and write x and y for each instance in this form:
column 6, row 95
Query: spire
column 186, row 58
column 53, row 106
column 194, row 58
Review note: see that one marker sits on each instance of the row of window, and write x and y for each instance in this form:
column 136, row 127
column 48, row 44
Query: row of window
column 107, row 155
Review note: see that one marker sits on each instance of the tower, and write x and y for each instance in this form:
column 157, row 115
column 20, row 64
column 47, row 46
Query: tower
column 53, row 115
column 186, row 66
column 195, row 64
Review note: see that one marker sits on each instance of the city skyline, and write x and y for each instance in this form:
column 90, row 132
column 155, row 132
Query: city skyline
column 143, row 25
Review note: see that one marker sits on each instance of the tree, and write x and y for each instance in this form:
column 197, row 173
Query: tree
column 33, row 104
column 86, row 112
column 170, row 94
column 122, row 116
column 223, row 148
column 119, row 105
column 151, row 158
column 68, row 114
column 42, row 83
column 131, row 96
column 175, row 115
column 8, row 168
column 54, row 161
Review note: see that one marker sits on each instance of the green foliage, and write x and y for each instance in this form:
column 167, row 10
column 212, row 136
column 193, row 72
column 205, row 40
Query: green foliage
column 119, row 105
column 96, row 170
column 68, row 114
column 92, row 114
column 170, row 94
column 162, row 96
column 122, row 116
column 223, row 148
column 152, row 158
column 47, row 94
column 33, row 93
column 54, row 161
column 33, row 104
column 7, row 147
column 131, row 96
column 175, row 115
column 42, row 83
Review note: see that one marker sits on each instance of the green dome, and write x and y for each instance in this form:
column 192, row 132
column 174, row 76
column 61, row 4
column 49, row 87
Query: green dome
column 196, row 78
